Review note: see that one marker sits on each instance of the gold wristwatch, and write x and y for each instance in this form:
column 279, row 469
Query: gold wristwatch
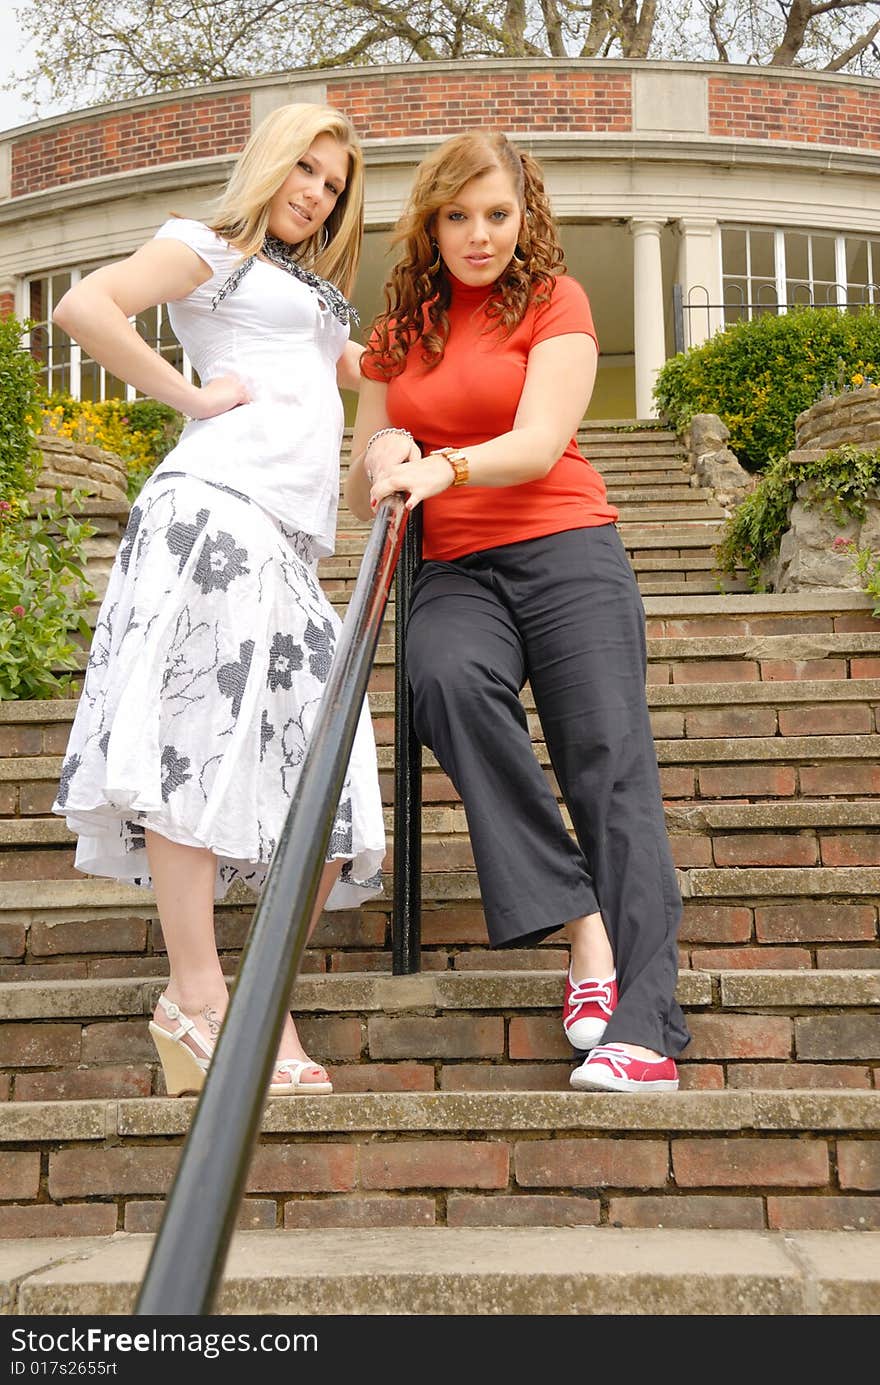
column 459, row 463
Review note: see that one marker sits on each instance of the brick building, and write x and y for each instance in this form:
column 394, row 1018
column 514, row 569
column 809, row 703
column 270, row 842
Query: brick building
column 746, row 188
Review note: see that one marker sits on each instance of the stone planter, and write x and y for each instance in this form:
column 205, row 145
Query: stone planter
column 853, row 416
column 806, row 558
column 78, row 466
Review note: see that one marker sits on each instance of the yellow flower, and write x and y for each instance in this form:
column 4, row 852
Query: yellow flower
column 858, row 379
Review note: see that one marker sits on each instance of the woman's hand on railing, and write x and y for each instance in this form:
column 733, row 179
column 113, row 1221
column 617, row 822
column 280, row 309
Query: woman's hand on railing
column 391, row 453
column 418, row 480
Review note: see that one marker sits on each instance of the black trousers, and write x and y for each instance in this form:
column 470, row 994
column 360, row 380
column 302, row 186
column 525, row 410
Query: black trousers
column 563, row 612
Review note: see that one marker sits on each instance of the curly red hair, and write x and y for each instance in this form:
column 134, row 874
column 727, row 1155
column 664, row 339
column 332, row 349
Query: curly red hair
column 418, row 291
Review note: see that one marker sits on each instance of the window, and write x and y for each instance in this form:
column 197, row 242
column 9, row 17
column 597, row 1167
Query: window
column 64, row 365
column 770, row 270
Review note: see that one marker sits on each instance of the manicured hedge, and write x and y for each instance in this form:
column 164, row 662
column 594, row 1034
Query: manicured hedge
column 759, row 375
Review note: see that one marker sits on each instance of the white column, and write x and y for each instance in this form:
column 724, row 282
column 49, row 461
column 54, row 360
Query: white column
column 699, row 273
column 649, row 333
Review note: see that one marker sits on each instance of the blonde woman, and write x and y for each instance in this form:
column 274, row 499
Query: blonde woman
column 478, row 374
column 214, row 641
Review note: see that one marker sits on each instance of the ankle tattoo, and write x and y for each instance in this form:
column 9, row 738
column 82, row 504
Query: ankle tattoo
column 212, row 1019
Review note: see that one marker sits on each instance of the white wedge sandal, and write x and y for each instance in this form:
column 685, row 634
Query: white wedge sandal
column 184, row 1069
column 295, row 1070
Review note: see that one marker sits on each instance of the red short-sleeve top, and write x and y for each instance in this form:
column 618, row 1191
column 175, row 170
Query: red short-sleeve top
column 472, row 396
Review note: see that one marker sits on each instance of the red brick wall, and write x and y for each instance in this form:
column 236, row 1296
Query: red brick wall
column 804, row 112
column 423, row 101
column 186, row 128
column 7, row 304
column 438, row 103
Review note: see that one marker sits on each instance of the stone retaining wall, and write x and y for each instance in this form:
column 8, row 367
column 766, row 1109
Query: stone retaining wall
column 79, row 466
column 807, row 558
column 74, row 465
column 853, row 416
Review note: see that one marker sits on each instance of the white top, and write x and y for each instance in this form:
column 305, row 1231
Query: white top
column 276, row 334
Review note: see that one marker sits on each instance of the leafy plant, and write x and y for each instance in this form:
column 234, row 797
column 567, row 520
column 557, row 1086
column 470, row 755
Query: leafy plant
column 44, row 593
column 867, row 567
column 20, row 397
column 841, row 482
column 140, row 431
column 759, row 375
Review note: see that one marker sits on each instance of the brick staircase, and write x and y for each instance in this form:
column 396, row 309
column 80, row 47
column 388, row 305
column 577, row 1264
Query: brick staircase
column 453, row 1148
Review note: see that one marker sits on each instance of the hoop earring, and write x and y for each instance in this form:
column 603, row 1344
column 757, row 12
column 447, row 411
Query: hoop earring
column 435, row 267
column 518, row 257
column 326, row 240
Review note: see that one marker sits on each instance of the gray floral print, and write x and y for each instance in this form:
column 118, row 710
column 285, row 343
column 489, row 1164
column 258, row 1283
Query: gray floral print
column 219, row 563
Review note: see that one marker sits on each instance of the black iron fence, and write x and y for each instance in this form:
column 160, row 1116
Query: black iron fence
column 695, row 317
column 190, row 1250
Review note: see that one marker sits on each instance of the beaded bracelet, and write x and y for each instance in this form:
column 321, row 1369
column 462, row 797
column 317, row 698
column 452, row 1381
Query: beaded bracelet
column 381, row 434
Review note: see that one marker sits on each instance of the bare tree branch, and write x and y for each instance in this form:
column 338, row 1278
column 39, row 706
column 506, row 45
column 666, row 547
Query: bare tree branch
column 855, row 49
column 98, row 50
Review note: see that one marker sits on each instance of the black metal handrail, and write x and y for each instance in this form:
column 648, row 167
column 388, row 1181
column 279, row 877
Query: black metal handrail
column 837, row 296
column 406, row 916
column 190, row 1250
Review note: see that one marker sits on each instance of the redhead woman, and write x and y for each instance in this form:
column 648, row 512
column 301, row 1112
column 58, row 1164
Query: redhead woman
column 477, row 376
column 214, row 640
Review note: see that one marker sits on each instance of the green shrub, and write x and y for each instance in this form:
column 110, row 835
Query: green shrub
column 44, row 595
column 759, row 375
column 20, row 396
column 841, row 480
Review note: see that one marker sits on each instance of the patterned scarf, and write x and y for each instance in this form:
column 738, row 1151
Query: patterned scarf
column 279, row 253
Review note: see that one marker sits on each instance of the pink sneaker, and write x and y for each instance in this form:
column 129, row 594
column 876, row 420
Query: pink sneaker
column 610, row 1069
column 589, row 1005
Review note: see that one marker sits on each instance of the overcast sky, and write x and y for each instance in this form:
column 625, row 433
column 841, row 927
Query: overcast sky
column 13, row 109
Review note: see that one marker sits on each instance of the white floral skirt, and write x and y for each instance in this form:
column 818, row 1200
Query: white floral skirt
column 209, row 660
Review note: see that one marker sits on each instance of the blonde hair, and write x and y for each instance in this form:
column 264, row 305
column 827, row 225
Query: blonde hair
column 241, row 215
column 418, row 291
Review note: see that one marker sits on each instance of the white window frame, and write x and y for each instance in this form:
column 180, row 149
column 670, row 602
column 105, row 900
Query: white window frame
column 76, row 351
column 841, row 285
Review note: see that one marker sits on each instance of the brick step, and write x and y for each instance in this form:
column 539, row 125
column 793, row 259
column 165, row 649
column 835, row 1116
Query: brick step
column 819, row 822
column 831, row 833
column 644, row 497
column 689, row 507
column 467, row 1031
column 749, row 1160
column 712, row 659
column 723, row 613
column 619, row 477
column 758, row 653
column 636, row 532
column 762, row 767
column 347, row 565
column 671, row 584
column 563, row 1267
column 644, row 468
column 635, row 451
column 683, row 495
column 672, row 539
column 87, row 927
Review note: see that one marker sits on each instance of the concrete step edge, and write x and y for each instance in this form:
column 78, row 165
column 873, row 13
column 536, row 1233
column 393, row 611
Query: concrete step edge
column 778, row 749
column 382, row 993
column 495, row 1271
column 659, row 695
column 435, row 1112
column 63, row 896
